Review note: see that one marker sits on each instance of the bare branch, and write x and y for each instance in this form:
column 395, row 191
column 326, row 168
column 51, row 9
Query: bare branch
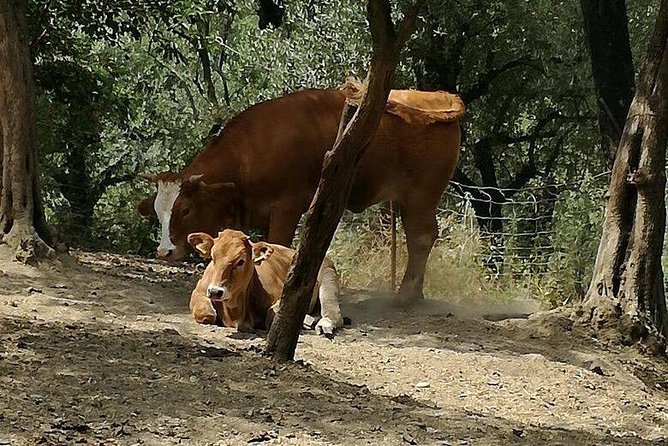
column 485, row 82
column 407, row 25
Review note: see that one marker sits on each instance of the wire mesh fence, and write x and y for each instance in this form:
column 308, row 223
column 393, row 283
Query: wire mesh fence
column 517, row 226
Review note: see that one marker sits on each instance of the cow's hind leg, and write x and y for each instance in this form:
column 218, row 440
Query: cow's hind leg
column 419, row 222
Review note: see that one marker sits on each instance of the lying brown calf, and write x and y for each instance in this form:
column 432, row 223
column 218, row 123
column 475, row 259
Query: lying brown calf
column 242, row 285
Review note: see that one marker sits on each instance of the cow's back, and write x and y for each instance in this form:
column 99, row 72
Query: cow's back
column 274, row 151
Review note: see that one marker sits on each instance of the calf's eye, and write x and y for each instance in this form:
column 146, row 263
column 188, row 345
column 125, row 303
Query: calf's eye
column 240, row 262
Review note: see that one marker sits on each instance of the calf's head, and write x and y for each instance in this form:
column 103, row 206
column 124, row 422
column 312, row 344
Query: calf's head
column 184, row 206
column 232, row 264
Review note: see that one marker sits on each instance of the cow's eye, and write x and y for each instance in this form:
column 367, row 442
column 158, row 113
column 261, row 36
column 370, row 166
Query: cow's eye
column 185, row 212
column 240, row 262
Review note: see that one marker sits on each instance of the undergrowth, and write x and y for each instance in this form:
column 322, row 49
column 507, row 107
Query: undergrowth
column 459, row 269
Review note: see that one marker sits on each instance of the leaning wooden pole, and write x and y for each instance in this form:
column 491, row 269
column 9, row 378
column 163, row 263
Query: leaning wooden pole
column 339, row 167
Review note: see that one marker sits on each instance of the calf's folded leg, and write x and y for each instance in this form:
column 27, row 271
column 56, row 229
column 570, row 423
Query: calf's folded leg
column 328, row 293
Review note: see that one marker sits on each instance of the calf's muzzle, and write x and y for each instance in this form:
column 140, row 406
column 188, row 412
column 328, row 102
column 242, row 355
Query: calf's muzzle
column 216, row 292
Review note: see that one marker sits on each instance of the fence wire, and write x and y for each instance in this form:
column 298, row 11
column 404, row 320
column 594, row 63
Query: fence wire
column 515, row 226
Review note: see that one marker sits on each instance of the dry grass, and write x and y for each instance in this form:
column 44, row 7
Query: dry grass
column 454, row 271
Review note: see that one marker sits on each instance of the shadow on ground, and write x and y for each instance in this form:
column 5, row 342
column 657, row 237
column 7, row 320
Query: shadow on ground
column 69, row 383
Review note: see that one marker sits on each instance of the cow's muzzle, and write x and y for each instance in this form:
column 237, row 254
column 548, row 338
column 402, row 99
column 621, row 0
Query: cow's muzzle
column 216, row 292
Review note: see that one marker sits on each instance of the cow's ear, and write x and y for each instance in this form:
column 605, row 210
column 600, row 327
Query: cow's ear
column 145, row 207
column 261, row 252
column 202, row 242
column 148, row 177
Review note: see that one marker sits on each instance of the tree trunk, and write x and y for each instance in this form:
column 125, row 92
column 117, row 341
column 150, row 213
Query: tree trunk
column 22, row 222
column 627, row 284
column 606, row 26
column 336, row 180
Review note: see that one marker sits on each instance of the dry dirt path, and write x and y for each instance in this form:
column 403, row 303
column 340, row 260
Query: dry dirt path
column 105, row 352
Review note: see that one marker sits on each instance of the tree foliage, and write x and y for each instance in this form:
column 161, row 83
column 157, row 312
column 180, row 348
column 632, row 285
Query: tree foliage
column 129, row 87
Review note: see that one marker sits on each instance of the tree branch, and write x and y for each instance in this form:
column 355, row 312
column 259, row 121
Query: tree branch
column 485, row 82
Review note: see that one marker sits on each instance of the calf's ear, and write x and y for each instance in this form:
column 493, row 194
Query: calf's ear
column 202, row 242
column 261, row 251
column 145, row 207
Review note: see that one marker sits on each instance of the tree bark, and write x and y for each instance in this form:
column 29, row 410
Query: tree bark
column 627, row 283
column 606, row 27
column 336, row 180
column 22, row 222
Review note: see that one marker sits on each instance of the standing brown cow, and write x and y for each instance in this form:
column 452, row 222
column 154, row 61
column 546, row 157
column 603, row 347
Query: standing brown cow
column 263, row 169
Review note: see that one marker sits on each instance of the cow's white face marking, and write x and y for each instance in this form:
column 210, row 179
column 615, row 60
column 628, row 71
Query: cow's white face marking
column 168, row 191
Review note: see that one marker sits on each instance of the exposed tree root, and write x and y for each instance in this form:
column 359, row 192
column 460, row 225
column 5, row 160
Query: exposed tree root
column 604, row 317
column 28, row 246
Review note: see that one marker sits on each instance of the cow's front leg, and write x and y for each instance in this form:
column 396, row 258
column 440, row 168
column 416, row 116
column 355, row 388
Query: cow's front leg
column 202, row 308
column 283, row 223
column 328, row 293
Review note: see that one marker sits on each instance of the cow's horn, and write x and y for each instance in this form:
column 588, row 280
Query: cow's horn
column 147, row 177
column 195, row 178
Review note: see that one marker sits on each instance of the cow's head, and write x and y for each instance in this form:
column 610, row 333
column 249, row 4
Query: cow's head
column 233, row 259
column 184, row 206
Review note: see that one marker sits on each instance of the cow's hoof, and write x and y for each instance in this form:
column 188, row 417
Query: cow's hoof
column 206, row 319
column 325, row 327
column 407, row 299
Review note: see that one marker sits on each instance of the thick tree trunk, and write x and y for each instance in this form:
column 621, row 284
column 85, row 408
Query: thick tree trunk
column 606, row 26
column 339, row 168
column 627, row 284
column 22, row 223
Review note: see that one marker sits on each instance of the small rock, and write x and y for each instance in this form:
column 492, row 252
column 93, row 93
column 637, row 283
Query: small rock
column 407, row 438
column 261, row 438
column 422, row 385
column 596, row 368
column 60, row 286
column 31, row 290
column 518, row 432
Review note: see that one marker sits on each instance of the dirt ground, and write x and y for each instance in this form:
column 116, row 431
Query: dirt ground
column 104, row 352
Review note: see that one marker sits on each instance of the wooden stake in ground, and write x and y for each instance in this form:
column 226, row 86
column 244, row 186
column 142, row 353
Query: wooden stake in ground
column 22, row 222
column 338, row 171
column 626, row 290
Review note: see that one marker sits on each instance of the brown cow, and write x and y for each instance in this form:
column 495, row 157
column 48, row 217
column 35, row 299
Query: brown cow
column 262, row 171
column 242, row 285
